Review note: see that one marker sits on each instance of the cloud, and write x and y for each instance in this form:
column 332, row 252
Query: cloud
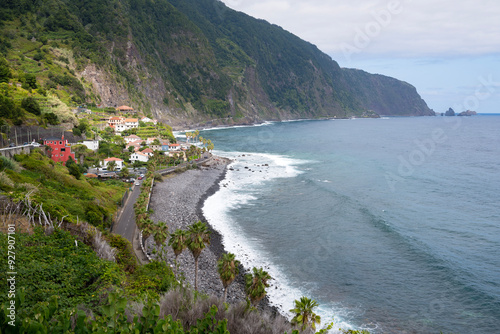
column 405, row 28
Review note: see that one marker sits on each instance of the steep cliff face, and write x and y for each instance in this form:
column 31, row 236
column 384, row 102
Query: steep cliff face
column 195, row 62
column 385, row 95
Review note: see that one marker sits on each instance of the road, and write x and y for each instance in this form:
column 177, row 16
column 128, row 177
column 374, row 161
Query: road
column 125, row 226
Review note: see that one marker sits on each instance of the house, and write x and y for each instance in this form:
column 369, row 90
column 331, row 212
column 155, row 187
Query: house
column 139, row 156
column 156, row 147
column 128, row 123
column 136, row 144
column 150, row 140
column 114, row 121
column 148, row 152
column 118, row 163
column 149, row 120
column 174, row 147
column 91, row 144
column 165, row 146
column 61, row 150
column 125, row 109
column 131, row 123
column 131, row 138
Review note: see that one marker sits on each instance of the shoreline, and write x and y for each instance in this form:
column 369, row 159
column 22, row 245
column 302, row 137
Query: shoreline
column 184, row 195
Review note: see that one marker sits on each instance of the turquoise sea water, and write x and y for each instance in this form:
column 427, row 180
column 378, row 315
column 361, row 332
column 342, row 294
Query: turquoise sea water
column 392, row 225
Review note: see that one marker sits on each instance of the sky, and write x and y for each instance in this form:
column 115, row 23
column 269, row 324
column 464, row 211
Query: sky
column 448, row 49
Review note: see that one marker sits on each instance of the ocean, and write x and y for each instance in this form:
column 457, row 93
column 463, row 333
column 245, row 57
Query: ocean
column 391, row 224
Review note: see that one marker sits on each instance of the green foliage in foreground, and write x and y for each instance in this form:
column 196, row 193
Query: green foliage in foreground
column 49, row 265
column 55, row 186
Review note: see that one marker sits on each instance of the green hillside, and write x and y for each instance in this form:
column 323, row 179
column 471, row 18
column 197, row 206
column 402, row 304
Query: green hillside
column 183, row 61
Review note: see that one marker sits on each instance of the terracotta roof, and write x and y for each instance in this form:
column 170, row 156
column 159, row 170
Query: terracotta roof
column 113, row 159
column 124, row 108
column 174, row 145
column 148, row 150
column 130, row 120
column 133, row 136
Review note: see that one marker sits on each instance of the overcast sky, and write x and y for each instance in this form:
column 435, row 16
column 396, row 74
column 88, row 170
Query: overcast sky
column 449, row 50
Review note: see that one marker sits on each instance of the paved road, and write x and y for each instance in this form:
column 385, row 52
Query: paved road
column 125, row 226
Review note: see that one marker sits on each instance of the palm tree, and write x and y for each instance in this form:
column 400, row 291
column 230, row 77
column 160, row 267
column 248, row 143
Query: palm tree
column 160, row 234
column 228, row 269
column 111, row 165
column 178, row 242
column 196, row 134
column 304, row 315
column 256, row 284
column 198, row 238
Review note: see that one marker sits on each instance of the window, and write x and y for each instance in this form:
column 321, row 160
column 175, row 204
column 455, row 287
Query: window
column 60, row 143
column 63, row 150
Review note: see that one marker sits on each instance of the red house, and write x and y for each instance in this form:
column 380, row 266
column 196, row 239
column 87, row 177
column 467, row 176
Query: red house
column 61, row 151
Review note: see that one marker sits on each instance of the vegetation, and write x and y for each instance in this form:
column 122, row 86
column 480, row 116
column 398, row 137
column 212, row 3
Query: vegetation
column 198, row 238
column 228, row 268
column 304, row 315
column 256, row 284
column 55, row 185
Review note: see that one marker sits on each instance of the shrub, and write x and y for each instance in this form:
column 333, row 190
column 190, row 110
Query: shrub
column 31, row 105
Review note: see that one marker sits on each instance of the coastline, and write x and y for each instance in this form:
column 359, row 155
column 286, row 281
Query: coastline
column 178, row 201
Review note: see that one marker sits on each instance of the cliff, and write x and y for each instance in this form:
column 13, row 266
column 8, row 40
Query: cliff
column 188, row 62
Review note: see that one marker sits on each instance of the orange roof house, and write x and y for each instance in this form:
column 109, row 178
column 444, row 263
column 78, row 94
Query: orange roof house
column 125, row 108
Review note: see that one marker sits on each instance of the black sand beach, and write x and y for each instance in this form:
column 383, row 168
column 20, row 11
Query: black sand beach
column 178, row 201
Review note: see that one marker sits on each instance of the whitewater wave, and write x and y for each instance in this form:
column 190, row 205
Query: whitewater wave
column 246, row 177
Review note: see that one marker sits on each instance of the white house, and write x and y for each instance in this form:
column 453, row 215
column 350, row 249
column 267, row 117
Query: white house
column 139, row 156
column 124, row 124
column 131, row 138
column 174, row 147
column 91, row 144
column 149, row 120
column 118, row 163
column 131, row 123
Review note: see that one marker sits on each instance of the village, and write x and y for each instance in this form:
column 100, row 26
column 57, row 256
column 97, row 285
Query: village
column 120, row 145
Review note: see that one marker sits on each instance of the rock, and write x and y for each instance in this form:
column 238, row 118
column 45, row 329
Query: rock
column 467, row 113
column 450, row 112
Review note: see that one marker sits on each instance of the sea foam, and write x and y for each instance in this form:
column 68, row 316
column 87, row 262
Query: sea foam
column 246, row 177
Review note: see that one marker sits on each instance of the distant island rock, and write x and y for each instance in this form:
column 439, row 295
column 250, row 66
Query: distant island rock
column 467, row 113
column 450, row 112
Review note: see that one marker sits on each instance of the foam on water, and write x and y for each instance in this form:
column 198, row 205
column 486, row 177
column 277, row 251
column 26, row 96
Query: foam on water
column 246, row 177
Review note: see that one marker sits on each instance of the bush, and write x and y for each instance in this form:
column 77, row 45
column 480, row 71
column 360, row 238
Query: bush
column 31, row 105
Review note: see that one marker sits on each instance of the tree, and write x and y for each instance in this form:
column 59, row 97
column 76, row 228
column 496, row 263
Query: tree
column 304, row 315
column 256, row 284
column 29, row 81
column 31, row 105
column 160, row 234
column 198, row 238
column 124, row 173
column 73, row 168
column 228, row 269
column 178, row 242
column 5, row 73
column 111, row 165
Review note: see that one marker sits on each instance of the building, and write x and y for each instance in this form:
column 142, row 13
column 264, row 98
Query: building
column 164, row 146
column 131, row 138
column 91, row 144
column 136, row 144
column 61, row 150
column 139, row 156
column 174, row 147
column 148, row 152
column 125, row 109
column 118, row 163
column 149, row 120
column 128, row 123
column 114, row 121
